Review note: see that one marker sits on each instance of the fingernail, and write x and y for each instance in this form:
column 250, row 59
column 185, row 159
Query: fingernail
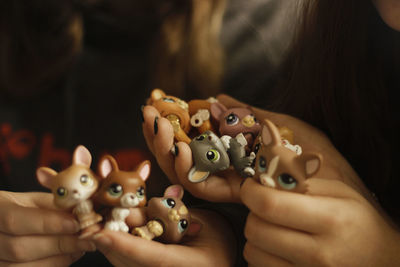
column 155, row 125
column 141, row 113
column 102, row 240
column 71, row 226
column 86, row 246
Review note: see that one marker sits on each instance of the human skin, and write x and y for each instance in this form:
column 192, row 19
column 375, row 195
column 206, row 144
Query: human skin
column 34, row 233
column 389, row 10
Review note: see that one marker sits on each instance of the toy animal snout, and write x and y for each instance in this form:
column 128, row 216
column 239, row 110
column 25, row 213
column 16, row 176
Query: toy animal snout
column 76, row 194
column 129, row 200
column 248, row 121
column 175, row 215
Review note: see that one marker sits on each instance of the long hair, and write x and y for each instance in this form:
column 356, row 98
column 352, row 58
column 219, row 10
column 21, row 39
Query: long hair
column 187, row 54
column 336, row 78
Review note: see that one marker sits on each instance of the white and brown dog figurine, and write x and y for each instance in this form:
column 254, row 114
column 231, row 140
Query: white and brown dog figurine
column 279, row 167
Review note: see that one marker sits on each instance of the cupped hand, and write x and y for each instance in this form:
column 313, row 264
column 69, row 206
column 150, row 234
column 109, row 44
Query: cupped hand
column 330, row 225
column 212, row 246
column 34, row 233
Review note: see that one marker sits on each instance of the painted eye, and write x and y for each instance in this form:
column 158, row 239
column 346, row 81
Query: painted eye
column 286, row 181
column 169, row 203
column 140, row 192
column 262, row 164
column 182, row 225
column 61, row 192
column 86, row 180
column 115, row 190
column 169, row 100
column 232, row 119
column 212, row 155
column 201, row 137
column 254, row 118
column 257, row 148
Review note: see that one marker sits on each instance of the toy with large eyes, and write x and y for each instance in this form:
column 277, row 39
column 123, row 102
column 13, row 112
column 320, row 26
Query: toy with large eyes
column 175, row 110
column 234, row 121
column 121, row 190
column 278, row 167
column 209, row 156
column 73, row 187
column 168, row 219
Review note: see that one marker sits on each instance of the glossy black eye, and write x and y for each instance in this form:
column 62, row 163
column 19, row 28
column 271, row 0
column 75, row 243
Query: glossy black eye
column 287, row 181
column 169, row 203
column 212, row 155
column 262, row 164
column 140, row 192
column 183, row 225
column 232, row 119
column 257, row 148
column 169, row 100
column 255, row 119
column 115, row 190
column 201, row 137
column 62, row 192
column 86, row 180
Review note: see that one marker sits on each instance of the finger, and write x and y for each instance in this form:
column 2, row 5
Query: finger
column 286, row 243
column 331, row 188
column 215, row 188
column 14, row 221
column 256, row 257
column 33, row 200
column 56, row 261
column 149, row 114
column 137, row 217
column 298, row 211
column 30, row 248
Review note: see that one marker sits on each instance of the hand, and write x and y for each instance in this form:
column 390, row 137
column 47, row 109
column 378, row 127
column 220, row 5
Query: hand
column 330, row 225
column 34, row 233
column 212, row 246
column 159, row 136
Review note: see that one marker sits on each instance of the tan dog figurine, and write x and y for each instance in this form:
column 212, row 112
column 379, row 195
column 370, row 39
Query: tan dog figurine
column 73, row 187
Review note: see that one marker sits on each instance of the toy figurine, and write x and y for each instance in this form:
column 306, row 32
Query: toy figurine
column 199, row 111
column 209, row 156
column 73, row 187
column 121, row 190
column 234, row 121
column 168, row 218
column 175, row 110
column 278, row 167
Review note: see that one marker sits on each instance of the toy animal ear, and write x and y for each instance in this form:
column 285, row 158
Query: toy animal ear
column 175, row 191
column 45, row 176
column 311, row 162
column 194, row 227
column 82, row 156
column 157, row 94
column 217, row 109
column 107, row 164
column 270, row 134
column 144, row 170
column 196, row 176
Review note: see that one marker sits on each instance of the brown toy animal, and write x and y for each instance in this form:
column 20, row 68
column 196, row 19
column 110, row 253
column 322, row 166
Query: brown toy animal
column 199, row 111
column 168, row 218
column 280, row 167
column 121, row 190
column 73, row 187
column 175, row 110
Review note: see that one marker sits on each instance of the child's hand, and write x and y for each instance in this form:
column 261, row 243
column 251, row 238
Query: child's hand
column 34, row 233
column 331, row 225
column 212, row 246
column 159, row 136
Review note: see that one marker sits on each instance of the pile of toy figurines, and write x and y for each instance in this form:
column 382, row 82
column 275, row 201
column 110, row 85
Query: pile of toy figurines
column 221, row 137
column 81, row 191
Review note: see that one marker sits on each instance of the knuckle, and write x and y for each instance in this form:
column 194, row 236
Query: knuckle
column 7, row 222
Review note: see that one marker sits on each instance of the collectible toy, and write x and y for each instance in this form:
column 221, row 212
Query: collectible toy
column 73, row 187
column 121, row 190
column 168, row 218
column 234, row 121
column 278, row 167
column 175, row 110
column 199, row 111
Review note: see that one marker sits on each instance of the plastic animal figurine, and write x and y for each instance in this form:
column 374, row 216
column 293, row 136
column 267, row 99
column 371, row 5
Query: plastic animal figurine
column 209, row 156
column 278, row 167
column 121, row 190
column 73, row 187
column 175, row 110
column 199, row 111
column 168, row 218
column 234, row 121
